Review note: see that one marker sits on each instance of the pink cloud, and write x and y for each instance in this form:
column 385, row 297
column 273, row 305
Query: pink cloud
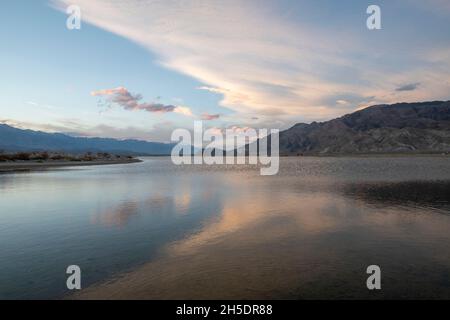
column 122, row 97
column 208, row 117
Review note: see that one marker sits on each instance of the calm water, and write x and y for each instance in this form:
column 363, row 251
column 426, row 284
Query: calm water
column 153, row 230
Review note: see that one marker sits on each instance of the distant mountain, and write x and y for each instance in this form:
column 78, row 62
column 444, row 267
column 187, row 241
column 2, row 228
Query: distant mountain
column 14, row 139
column 398, row 128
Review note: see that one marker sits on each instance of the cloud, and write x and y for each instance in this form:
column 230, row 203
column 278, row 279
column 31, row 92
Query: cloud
column 184, row 111
column 342, row 102
column 122, row 97
column 259, row 63
column 46, row 127
column 347, row 100
column 232, row 128
column 408, row 87
column 239, row 129
column 159, row 132
column 275, row 62
column 208, row 117
column 213, row 90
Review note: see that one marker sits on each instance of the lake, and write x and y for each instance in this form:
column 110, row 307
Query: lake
column 153, row 230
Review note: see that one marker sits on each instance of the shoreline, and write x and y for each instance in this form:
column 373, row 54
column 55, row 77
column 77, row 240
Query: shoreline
column 336, row 155
column 374, row 155
column 26, row 166
column 12, row 167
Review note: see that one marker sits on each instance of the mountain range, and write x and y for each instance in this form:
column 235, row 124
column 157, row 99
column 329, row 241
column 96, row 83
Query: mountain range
column 422, row 127
column 398, row 128
column 14, row 139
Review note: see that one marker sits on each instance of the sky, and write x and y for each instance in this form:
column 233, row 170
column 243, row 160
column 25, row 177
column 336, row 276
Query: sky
column 140, row 69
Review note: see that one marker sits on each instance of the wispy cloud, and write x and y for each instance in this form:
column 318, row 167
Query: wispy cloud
column 159, row 132
column 264, row 63
column 207, row 117
column 258, row 63
column 122, row 97
column 408, row 87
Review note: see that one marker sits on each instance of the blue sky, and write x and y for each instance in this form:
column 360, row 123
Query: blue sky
column 231, row 63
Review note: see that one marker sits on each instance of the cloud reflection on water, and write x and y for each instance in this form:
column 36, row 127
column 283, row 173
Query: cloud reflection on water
column 290, row 242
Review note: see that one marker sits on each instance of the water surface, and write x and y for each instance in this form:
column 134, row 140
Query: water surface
column 154, row 230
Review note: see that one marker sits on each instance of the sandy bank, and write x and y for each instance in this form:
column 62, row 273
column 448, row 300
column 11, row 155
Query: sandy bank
column 35, row 165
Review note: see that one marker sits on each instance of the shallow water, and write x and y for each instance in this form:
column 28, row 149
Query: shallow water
column 154, row 230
